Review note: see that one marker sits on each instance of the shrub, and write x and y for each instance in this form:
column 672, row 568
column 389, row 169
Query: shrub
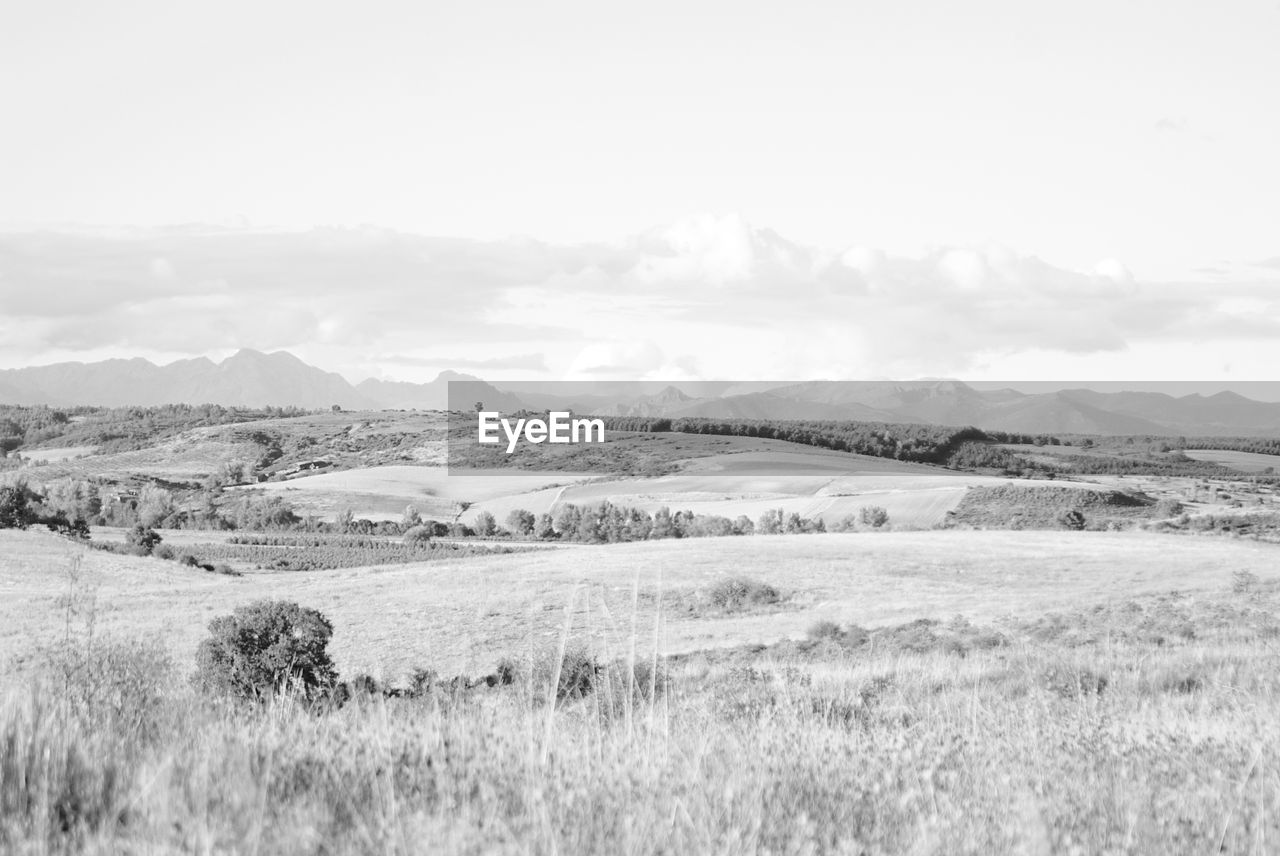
column 740, row 592
column 417, row 535
column 1168, row 507
column 264, row 648
column 1244, row 582
column 142, row 539
column 575, row 672
column 852, row 636
column 1072, row 519
column 873, row 516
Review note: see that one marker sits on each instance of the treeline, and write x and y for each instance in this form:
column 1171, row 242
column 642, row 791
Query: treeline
column 606, row 523
column 119, row 429
column 1174, row 464
column 926, row 444
column 21, row 507
column 1255, row 445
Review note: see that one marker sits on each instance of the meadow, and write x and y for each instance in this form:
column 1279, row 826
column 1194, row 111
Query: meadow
column 1138, row 720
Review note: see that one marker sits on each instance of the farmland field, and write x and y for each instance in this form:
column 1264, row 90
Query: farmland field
column 1245, row 462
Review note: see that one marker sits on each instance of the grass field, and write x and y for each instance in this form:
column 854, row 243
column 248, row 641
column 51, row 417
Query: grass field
column 1245, row 462
column 462, row 616
column 1105, row 693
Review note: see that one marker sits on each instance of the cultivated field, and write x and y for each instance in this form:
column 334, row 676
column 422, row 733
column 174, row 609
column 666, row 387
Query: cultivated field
column 1245, row 462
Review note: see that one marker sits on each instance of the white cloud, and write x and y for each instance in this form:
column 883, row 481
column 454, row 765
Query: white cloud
column 711, row 296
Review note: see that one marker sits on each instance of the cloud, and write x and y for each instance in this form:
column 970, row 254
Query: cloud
column 616, row 360
column 516, row 362
column 1171, row 125
column 710, row 295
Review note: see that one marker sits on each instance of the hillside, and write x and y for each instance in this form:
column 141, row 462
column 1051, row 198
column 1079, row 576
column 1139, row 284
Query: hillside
column 463, row 615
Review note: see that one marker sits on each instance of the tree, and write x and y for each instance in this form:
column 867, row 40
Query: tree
column 485, row 524
column 155, row 505
column 264, row 648
column 566, row 520
column 662, row 524
column 14, row 510
column 873, row 516
column 521, row 522
column 545, row 528
column 770, row 523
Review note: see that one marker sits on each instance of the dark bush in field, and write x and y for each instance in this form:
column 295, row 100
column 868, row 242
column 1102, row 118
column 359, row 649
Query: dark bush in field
column 1072, row 519
column 265, row 648
column 142, row 540
column 737, row 593
column 851, row 636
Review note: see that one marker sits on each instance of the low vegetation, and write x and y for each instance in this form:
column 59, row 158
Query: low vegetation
column 1049, row 507
column 1139, row 727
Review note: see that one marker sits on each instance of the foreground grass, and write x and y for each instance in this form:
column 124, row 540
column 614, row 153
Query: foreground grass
column 1147, row 727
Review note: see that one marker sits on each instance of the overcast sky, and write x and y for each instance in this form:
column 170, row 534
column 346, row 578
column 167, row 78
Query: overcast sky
column 725, row 189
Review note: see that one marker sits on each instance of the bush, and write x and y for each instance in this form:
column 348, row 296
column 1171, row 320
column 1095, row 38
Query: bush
column 1073, row 519
column 740, row 592
column 417, row 535
column 264, row 648
column 575, row 672
column 873, row 516
column 1244, row 582
column 142, row 539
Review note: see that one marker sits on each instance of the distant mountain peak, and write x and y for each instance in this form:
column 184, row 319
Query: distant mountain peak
column 449, row 374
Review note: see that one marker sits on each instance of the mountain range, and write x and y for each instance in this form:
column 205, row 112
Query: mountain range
column 253, row 379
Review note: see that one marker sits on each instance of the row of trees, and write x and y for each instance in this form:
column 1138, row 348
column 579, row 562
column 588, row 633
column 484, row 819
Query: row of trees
column 20, row 507
column 606, row 523
column 931, row 444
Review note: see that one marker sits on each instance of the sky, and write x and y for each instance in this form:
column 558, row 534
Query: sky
column 697, row 188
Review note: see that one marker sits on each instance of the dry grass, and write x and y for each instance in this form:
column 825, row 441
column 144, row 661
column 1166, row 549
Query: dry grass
column 460, row 616
column 1115, row 745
